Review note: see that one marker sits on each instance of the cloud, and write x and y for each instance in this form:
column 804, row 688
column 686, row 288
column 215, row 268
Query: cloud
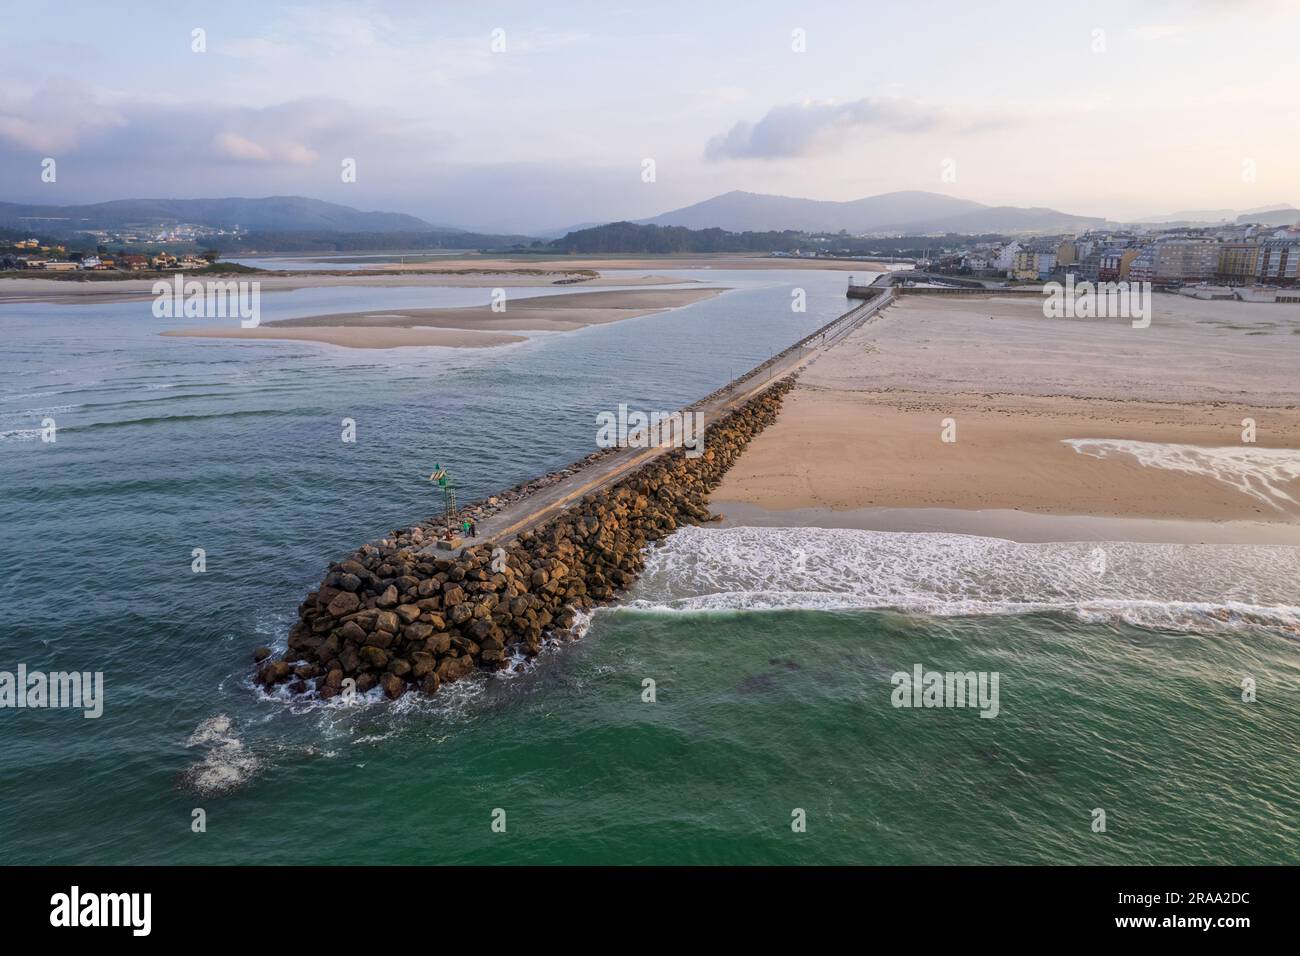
column 55, row 118
column 802, row 129
column 68, row 121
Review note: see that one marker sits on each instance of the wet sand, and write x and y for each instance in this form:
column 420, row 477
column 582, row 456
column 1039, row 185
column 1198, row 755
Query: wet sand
column 475, row 327
column 358, row 338
column 864, row 429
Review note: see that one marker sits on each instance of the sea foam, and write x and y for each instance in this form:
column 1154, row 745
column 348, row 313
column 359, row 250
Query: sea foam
column 228, row 763
column 1180, row 586
column 1261, row 473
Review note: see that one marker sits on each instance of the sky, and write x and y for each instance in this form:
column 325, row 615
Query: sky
column 532, row 117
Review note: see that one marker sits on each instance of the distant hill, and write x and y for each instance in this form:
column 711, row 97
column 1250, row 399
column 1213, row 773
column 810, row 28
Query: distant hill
column 909, row 211
column 757, row 212
column 1202, row 217
column 322, row 241
column 1000, row 219
column 271, row 214
column 632, row 237
column 1287, row 216
column 1187, row 216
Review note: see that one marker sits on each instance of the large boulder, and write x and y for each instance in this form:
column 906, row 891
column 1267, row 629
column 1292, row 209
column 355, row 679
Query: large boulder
column 375, row 657
column 345, row 602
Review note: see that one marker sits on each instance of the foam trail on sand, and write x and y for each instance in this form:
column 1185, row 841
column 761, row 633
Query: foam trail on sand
column 1190, row 587
column 1261, row 473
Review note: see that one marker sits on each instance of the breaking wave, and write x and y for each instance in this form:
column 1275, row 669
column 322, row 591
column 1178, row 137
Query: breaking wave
column 1177, row 586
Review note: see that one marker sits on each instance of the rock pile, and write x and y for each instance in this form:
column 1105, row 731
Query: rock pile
column 393, row 616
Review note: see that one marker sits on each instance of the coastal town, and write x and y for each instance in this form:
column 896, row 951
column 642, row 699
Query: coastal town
column 33, row 254
column 1248, row 261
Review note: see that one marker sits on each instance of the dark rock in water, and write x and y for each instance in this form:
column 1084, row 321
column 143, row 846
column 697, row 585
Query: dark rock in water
column 273, row 672
column 392, row 615
column 260, row 654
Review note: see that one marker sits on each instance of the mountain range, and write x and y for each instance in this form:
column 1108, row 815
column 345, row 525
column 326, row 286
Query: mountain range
column 909, row 211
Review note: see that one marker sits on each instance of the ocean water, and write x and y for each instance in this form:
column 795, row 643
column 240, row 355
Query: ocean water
column 772, row 651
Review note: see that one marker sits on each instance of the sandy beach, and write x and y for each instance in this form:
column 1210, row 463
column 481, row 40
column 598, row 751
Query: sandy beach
column 1162, row 406
column 477, row 327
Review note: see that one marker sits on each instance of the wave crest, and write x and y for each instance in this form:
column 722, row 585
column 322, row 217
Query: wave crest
column 1179, row 586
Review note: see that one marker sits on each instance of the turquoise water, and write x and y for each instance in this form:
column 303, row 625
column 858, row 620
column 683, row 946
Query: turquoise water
column 768, row 700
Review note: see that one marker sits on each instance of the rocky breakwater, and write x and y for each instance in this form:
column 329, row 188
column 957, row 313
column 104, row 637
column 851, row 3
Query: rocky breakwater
column 395, row 616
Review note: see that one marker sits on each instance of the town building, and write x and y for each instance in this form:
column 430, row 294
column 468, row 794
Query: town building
column 1185, row 260
column 1238, row 262
column 1005, row 260
column 1143, row 266
column 1279, row 261
column 1115, row 263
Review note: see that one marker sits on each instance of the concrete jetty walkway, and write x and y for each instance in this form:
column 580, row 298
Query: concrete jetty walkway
column 542, row 505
